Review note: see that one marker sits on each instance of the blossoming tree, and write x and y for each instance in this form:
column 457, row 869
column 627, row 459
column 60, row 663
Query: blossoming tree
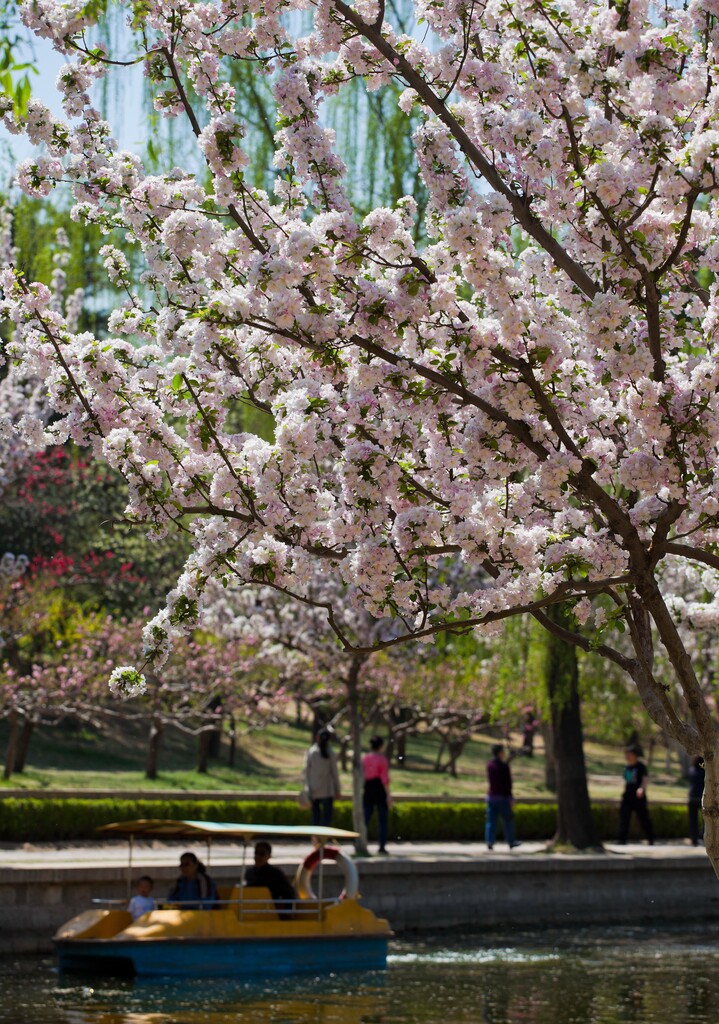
column 533, row 393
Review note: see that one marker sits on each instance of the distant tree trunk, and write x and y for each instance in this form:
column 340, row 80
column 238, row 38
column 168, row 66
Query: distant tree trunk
column 344, row 745
column 203, row 751
column 214, row 742
column 153, row 748
column 574, row 812
column 455, row 747
column 355, row 721
column 438, row 759
column 23, row 744
column 396, row 746
column 233, row 743
column 12, row 743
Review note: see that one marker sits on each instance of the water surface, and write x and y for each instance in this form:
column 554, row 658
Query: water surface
column 592, row 976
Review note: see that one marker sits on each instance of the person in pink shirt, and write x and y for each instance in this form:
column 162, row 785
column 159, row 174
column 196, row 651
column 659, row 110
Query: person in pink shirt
column 375, row 768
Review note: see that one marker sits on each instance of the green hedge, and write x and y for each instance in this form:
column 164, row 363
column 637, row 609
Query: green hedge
column 38, row 820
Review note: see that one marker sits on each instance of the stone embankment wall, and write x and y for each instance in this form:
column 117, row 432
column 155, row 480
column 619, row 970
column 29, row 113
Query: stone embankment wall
column 423, row 894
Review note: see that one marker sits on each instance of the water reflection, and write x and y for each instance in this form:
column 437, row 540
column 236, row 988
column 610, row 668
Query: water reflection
column 622, row 976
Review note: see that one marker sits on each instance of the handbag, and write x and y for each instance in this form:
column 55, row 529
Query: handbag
column 304, row 800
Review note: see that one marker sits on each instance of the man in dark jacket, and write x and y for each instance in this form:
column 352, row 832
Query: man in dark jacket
column 273, row 878
column 499, row 798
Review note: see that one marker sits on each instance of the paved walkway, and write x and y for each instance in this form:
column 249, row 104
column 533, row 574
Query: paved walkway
column 160, row 854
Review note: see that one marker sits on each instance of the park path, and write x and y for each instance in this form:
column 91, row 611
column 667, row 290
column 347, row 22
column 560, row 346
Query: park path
column 156, row 853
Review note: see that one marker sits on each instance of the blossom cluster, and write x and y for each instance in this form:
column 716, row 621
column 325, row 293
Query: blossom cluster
column 533, row 393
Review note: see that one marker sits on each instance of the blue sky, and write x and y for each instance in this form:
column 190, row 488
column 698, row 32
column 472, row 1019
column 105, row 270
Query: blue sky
column 124, row 110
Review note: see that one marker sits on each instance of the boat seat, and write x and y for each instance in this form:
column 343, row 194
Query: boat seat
column 256, row 903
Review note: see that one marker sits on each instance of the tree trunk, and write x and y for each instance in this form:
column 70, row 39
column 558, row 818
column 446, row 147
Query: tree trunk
column 233, row 742
column 344, row 745
column 214, row 743
column 550, row 762
column 710, row 805
column 23, row 744
column 438, row 761
column 203, row 751
column 574, row 812
column 355, row 720
column 11, row 752
column 153, row 748
column 455, row 752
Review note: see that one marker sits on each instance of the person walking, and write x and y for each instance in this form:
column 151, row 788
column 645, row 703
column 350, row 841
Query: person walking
column 375, row 769
column 634, row 797
column 322, row 778
column 696, row 792
column 499, row 798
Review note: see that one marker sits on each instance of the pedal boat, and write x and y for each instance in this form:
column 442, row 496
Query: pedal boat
column 246, row 934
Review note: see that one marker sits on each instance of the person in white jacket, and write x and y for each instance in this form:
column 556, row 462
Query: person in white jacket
column 322, row 779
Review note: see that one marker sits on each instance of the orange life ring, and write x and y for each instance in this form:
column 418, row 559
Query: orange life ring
column 303, row 878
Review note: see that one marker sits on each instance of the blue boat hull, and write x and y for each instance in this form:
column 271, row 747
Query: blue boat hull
column 247, row 958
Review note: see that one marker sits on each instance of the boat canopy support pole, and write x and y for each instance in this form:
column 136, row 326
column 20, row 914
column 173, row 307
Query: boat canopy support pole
column 129, row 866
column 242, row 879
column 322, row 861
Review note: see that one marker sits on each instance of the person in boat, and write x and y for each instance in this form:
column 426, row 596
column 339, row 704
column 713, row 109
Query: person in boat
column 262, row 873
column 375, row 769
column 322, row 778
column 142, row 902
column 194, row 889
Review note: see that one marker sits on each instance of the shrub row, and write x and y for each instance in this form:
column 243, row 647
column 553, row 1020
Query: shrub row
column 47, row 820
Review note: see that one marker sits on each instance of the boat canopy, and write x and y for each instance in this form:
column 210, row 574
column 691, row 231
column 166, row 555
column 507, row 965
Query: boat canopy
column 168, row 829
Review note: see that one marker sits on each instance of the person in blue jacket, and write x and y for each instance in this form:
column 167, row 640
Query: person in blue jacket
column 194, row 889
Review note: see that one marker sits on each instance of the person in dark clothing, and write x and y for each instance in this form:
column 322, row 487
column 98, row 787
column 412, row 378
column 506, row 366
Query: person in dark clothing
column 194, row 889
column 696, row 791
column 499, row 798
column 375, row 769
column 634, row 798
column 273, row 878
column 529, row 728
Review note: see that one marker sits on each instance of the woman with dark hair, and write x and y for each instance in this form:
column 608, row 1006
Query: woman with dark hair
column 375, row 768
column 322, row 778
column 194, row 889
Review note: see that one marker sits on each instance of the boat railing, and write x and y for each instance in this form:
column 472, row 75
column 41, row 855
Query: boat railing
column 258, row 908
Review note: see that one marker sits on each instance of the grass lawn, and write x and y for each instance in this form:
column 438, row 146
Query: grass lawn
column 72, row 757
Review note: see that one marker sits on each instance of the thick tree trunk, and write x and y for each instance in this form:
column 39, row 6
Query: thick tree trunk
column 11, row 752
column 23, row 745
column 550, row 762
column 574, row 813
column 355, row 721
column 710, row 806
column 153, row 749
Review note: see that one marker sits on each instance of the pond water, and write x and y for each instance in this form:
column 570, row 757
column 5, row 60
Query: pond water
column 627, row 975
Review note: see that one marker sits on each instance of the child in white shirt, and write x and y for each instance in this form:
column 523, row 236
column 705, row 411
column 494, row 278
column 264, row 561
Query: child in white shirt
column 143, row 901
